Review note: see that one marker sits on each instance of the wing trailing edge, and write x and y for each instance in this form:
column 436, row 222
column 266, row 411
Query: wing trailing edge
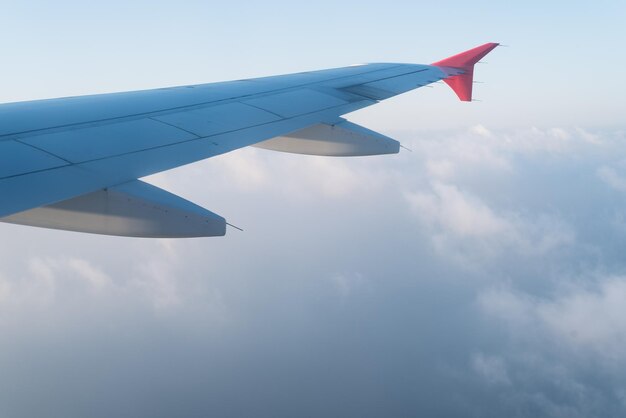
column 460, row 68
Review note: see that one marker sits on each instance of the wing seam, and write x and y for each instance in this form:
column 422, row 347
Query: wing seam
column 44, row 151
column 199, row 138
column 174, row 126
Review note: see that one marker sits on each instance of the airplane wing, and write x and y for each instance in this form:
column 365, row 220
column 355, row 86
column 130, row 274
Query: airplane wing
column 73, row 163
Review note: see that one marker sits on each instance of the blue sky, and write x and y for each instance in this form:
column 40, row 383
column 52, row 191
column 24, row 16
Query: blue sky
column 480, row 275
column 559, row 68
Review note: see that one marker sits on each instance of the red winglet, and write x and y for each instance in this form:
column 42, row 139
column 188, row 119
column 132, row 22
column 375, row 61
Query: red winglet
column 462, row 83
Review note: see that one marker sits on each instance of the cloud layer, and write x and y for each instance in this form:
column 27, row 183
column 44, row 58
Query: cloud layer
column 480, row 275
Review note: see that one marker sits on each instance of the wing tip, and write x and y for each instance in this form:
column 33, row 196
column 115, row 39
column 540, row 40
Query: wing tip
column 467, row 58
column 462, row 83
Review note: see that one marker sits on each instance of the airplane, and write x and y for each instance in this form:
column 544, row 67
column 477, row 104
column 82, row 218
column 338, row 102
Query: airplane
column 74, row 163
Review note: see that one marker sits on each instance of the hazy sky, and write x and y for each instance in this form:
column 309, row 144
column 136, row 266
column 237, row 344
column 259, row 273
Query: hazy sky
column 483, row 274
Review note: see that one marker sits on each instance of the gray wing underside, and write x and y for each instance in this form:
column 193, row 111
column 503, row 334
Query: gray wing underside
column 55, row 150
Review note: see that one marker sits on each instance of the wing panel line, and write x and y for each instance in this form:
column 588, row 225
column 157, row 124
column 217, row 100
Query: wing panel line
column 198, row 138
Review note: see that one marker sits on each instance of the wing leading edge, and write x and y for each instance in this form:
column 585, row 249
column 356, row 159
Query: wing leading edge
column 82, row 155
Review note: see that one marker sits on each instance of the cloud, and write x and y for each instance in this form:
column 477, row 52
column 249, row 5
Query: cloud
column 558, row 352
column 46, row 280
column 496, row 149
column 253, row 171
column 461, row 214
column 552, row 140
column 481, row 130
column 155, row 276
column 491, row 368
column 96, row 278
column 610, row 176
column 480, row 275
column 464, row 227
column 347, row 284
column 474, row 148
column 588, row 319
column 594, row 319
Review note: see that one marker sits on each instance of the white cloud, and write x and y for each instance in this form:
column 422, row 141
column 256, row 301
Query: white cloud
column 479, row 152
column 292, row 176
column 481, row 130
column 465, row 227
column 461, row 214
column 503, row 303
column 491, row 368
column 440, row 169
column 589, row 137
column 246, row 171
column 591, row 318
column 257, row 298
column 52, row 270
column 96, row 277
column 535, row 140
column 36, row 288
column 481, row 148
column 610, row 176
column 580, row 319
column 154, row 276
column 476, row 148
column 45, row 281
column 347, row 284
